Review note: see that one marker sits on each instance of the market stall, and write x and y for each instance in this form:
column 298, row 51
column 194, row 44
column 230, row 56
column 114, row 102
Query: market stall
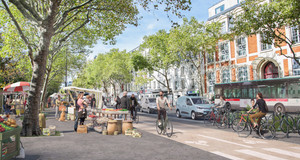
column 98, row 94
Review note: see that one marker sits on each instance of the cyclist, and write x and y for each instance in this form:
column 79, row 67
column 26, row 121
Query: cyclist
column 161, row 102
column 221, row 107
column 262, row 110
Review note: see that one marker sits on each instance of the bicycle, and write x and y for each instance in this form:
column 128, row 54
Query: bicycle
column 210, row 117
column 266, row 130
column 288, row 124
column 226, row 119
column 165, row 126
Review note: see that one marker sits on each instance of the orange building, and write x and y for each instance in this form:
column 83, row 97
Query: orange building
column 246, row 58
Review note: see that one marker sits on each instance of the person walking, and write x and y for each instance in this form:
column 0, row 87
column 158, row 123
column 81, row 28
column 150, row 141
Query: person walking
column 49, row 102
column 7, row 105
column 125, row 104
column 93, row 102
column 133, row 104
column 262, row 110
column 118, row 102
column 57, row 103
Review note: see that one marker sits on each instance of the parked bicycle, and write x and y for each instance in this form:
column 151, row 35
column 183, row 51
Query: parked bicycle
column 165, row 126
column 266, row 129
column 286, row 123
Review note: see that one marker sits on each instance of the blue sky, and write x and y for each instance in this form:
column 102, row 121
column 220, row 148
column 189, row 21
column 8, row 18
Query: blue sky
column 132, row 36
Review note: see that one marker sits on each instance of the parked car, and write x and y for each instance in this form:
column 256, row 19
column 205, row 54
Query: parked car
column 148, row 105
column 192, row 106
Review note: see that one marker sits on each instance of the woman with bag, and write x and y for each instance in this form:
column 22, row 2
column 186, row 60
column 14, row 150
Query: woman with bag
column 82, row 112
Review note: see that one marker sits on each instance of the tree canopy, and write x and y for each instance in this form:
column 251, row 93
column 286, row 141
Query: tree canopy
column 269, row 19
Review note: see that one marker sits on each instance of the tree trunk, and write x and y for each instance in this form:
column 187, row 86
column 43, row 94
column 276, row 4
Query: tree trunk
column 43, row 100
column 31, row 117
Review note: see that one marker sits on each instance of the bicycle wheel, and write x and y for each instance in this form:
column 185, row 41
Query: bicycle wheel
column 222, row 121
column 267, row 131
column 159, row 127
column 287, row 124
column 236, row 122
column 209, row 119
column 243, row 130
column 169, row 128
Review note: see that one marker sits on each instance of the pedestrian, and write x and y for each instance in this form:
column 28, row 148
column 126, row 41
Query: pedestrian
column 49, row 102
column 7, row 105
column 57, row 103
column 118, row 102
column 133, row 104
column 125, row 104
column 93, row 102
column 262, row 110
column 82, row 112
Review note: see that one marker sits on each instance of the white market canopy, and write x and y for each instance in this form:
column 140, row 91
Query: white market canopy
column 98, row 94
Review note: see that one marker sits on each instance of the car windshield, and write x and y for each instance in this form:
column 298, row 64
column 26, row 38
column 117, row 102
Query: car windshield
column 199, row 101
column 152, row 100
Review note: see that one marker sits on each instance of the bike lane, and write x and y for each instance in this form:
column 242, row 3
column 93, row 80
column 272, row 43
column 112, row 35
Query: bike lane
column 223, row 142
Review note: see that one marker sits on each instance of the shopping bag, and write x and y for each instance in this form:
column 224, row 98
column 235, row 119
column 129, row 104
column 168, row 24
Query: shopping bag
column 22, row 151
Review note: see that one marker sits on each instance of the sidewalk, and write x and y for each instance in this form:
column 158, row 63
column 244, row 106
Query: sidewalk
column 97, row 146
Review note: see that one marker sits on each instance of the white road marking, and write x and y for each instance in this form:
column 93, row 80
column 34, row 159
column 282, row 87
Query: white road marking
column 253, row 142
column 202, row 143
column 227, row 155
column 284, row 152
column 295, row 147
column 258, row 154
column 225, row 141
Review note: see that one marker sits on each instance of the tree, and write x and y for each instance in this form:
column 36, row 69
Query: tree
column 269, row 20
column 157, row 57
column 194, row 41
column 45, row 26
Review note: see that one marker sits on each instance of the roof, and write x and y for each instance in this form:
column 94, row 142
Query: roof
column 223, row 12
column 73, row 88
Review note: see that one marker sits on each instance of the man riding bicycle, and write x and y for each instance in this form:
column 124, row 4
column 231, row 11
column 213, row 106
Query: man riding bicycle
column 161, row 102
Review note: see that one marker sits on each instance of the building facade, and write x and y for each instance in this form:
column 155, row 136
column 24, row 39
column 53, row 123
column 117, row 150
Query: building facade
column 246, row 58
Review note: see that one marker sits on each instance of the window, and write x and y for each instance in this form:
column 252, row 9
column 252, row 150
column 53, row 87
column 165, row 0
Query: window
column 295, row 34
column 211, row 81
column 224, row 51
column 176, row 72
column 296, row 68
column 176, row 85
column 294, row 90
column 264, row 46
column 241, row 46
column 242, row 74
column 154, row 85
column 230, row 23
column 182, row 71
column 219, row 9
column 182, row 84
column 188, row 102
column 225, row 76
column 192, row 84
column 210, row 58
column 223, row 27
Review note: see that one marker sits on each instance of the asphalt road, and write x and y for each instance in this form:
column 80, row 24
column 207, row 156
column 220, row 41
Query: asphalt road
column 225, row 142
